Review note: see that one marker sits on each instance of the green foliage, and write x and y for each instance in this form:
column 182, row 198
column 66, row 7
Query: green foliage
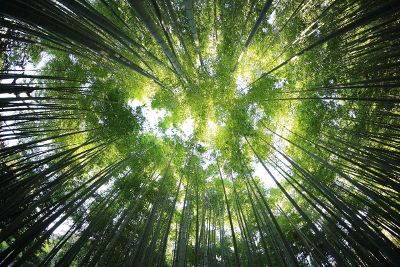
column 199, row 133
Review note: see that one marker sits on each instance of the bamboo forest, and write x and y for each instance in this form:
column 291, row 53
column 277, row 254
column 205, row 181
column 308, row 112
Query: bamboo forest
column 200, row 133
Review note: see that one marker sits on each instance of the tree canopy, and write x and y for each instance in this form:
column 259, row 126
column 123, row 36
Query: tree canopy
column 200, row 133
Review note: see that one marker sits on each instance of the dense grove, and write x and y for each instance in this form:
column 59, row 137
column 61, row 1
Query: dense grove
column 199, row 133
